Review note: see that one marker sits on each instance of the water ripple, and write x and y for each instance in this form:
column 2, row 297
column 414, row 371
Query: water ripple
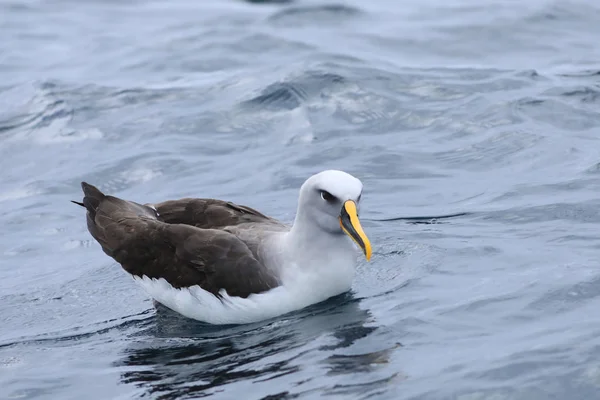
column 472, row 126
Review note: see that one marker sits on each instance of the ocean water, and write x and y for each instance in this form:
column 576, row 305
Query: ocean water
column 474, row 126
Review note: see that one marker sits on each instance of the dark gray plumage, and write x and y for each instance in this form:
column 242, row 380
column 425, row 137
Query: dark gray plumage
column 187, row 242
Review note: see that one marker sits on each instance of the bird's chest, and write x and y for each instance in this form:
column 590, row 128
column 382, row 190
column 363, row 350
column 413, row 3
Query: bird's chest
column 326, row 274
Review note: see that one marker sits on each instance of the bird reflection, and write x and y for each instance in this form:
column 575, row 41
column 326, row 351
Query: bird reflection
column 180, row 358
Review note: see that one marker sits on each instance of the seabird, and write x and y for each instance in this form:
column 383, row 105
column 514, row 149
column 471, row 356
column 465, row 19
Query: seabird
column 223, row 263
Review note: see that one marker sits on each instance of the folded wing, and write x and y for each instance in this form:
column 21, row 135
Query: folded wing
column 177, row 242
column 209, row 213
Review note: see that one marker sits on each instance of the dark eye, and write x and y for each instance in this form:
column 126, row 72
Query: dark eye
column 359, row 196
column 328, row 197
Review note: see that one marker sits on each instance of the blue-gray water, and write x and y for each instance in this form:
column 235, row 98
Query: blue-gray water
column 491, row 109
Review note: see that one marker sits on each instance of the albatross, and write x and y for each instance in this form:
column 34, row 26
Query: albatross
column 223, row 263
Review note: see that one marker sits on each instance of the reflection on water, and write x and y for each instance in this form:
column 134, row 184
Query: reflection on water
column 176, row 357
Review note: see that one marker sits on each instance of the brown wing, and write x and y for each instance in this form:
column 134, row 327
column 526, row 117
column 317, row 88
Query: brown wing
column 209, row 213
column 181, row 254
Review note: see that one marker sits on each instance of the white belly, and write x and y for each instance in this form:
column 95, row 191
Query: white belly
column 300, row 289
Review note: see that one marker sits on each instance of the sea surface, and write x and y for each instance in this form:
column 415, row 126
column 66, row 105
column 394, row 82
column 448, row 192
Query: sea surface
column 474, row 126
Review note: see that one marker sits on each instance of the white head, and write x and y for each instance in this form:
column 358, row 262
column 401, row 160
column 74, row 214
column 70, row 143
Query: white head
column 331, row 200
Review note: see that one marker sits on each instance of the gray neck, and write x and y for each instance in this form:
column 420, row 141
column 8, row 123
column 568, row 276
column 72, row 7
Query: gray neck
column 307, row 241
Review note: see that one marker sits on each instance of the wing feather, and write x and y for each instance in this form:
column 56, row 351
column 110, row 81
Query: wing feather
column 177, row 242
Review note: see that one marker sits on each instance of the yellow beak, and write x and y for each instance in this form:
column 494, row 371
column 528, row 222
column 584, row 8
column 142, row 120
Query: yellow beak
column 351, row 227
